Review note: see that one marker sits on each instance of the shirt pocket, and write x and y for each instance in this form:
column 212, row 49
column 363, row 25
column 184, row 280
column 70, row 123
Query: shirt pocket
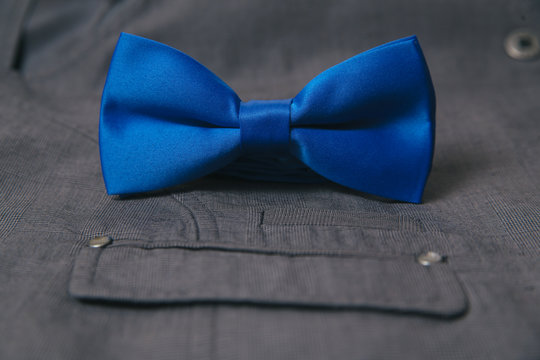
column 138, row 272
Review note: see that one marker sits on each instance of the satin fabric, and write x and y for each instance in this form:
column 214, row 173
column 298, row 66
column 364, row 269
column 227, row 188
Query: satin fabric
column 367, row 123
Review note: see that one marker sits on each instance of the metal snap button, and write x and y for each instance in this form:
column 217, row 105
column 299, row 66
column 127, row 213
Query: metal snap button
column 100, row 241
column 522, row 44
column 429, row 258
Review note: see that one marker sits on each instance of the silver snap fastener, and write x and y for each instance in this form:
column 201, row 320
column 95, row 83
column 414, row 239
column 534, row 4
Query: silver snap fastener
column 100, row 241
column 429, row 258
column 522, row 44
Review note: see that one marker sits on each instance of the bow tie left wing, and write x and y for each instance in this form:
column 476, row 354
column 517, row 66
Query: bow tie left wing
column 165, row 118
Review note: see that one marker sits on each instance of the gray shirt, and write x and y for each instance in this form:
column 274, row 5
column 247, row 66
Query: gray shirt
column 226, row 268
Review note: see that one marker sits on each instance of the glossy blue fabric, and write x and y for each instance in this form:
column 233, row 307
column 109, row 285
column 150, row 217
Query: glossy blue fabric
column 367, row 123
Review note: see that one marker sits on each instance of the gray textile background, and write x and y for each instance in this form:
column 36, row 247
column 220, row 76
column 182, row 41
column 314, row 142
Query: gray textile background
column 230, row 269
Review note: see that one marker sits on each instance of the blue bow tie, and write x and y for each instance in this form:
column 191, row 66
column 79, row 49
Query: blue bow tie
column 366, row 123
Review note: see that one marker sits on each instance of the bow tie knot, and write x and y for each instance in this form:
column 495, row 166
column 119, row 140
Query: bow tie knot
column 265, row 126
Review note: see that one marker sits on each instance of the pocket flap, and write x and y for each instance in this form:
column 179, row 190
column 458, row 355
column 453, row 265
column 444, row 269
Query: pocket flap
column 183, row 274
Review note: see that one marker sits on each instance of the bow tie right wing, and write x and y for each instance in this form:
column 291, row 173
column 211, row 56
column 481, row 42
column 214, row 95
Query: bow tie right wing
column 369, row 122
